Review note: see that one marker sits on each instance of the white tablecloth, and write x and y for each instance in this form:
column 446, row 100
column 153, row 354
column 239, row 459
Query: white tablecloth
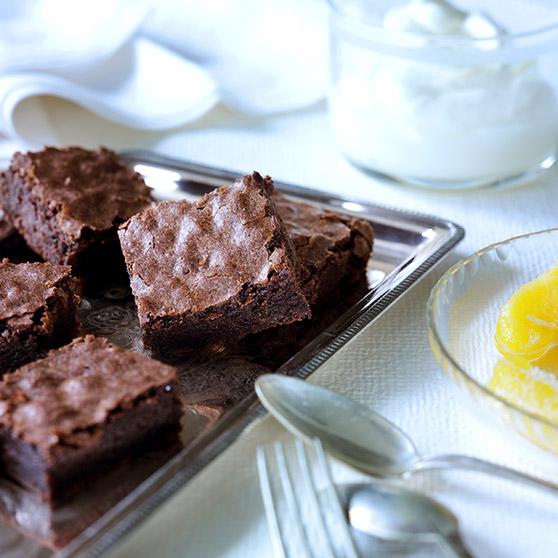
column 388, row 366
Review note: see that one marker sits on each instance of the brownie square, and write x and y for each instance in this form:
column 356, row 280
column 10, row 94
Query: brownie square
column 67, row 204
column 212, row 271
column 80, row 408
column 331, row 247
column 12, row 245
column 38, row 311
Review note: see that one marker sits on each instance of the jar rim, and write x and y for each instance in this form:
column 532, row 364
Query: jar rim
column 446, row 49
column 339, row 8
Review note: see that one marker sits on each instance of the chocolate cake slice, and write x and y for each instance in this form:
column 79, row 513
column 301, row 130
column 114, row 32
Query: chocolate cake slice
column 67, row 204
column 212, row 271
column 331, row 247
column 83, row 406
column 38, row 311
column 12, row 245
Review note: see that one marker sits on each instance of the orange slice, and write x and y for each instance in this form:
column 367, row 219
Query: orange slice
column 527, row 326
column 530, row 388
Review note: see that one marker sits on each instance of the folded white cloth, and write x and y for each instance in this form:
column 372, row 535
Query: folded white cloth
column 266, row 55
column 143, row 85
column 162, row 65
column 50, row 34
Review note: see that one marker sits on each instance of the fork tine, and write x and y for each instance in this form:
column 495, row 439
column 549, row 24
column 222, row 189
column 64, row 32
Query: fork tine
column 269, row 505
column 334, row 503
column 290, row 499
column 319, row 519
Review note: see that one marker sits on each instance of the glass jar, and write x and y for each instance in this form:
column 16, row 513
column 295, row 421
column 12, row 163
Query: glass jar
column 427, row 94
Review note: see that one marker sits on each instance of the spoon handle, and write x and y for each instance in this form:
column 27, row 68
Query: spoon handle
column 454, row 546
column 482, row 466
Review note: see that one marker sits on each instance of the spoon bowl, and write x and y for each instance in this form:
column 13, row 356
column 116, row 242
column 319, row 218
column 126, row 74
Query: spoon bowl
column 347, row 430
column 394, row 513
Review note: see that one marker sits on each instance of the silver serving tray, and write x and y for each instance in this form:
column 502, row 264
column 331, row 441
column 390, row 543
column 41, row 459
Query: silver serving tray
column 407, row 246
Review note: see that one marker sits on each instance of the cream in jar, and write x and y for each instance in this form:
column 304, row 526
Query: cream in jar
column 432, row 122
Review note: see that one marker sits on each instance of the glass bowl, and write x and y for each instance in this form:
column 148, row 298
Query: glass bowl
column 414, row 103
column 462, row 312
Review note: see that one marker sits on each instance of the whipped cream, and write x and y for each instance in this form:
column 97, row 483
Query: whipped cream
column 431, row 122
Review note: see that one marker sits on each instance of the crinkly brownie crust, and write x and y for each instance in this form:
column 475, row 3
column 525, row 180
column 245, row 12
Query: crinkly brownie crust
column 212, row 271
column 82, row 406
column 38, row 311
column 67, row 203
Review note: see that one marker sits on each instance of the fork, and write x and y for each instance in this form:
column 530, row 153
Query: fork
column 306, row 522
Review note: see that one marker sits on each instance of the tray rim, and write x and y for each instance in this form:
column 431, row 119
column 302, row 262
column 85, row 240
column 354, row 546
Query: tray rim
column 314, row 194
column 135, row 508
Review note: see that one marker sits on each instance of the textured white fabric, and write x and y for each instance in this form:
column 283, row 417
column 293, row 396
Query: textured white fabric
column 389, row 366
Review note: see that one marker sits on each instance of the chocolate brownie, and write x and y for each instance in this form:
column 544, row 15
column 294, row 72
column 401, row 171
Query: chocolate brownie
column 331, row 247
column 12, row 245
column 212, row 271
column 67, row 204
column 38, row 311
column 83, row 406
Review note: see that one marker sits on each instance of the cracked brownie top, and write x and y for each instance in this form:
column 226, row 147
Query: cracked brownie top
column 26, row 288
column 86, row 188
column 184, row 257
column 77, row 387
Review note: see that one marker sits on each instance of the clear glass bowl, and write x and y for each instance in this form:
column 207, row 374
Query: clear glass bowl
column 446, row 111
column 462, row 313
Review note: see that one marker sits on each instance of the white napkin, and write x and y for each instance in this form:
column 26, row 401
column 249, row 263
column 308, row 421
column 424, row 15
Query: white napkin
column 142, row 85
column 162, row 65
column 49, row 34
column 266, row 55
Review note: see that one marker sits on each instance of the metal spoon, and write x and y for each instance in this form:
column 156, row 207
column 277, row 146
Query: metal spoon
column 359, row 436
column 393, row 513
